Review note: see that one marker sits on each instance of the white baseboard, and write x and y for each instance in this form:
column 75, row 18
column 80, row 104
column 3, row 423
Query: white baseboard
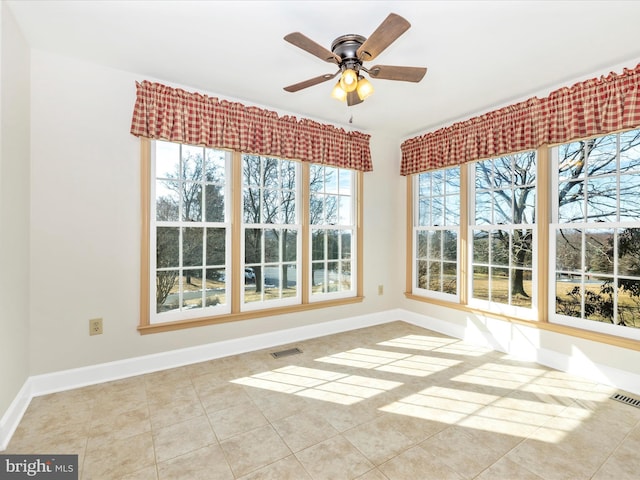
column 43, row 384
column 520, row 341
column 14, row 413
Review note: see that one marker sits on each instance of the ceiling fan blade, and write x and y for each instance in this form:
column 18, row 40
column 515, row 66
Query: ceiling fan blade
column 308, row 45
column 311, row 82
column 353, row 98
column 389, row 72
column 387, row 32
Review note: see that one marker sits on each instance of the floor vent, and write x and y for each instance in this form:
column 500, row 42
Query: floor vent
column 634, row 402
column 286, row 353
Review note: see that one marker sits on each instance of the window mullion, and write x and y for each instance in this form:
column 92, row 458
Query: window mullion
column 463, row 235
column 543, row 219
column 237, row 280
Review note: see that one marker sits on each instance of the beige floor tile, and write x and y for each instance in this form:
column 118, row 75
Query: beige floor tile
column 417, row 464
column 148, row 473
column 334, row 459
column 119, row 458
column 203, row 464
column 289, row 468
column 374, row 474
column 469, row 458
column 254, row 449
column 416, row 403
column 505, row 469
column 304, row 429
column 379, row 440
column 180, row 438
column 235, row 420
column 113, row 427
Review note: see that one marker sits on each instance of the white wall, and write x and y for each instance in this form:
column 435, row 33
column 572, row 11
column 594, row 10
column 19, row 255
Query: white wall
column 85, row 225
column 14, row 209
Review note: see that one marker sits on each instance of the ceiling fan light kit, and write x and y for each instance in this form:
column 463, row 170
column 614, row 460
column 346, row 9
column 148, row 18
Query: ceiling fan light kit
column 349, row 52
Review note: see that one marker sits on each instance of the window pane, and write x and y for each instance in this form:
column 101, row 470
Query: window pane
column 424, row 214
column 215, row 167
column 289, row 245
column 192, row 252
column 599, row 251
column 500, row 247
column 215, row 290
column 333, row 245
column 167, row 201
column 422, row 249
column 318, row 245
column 252, row 246
column 346, row 244
column 450, row 245
column 525, row 205
column 629, row 252
column 571, row 161
column 484, row 176
column 271, row 246
column 167, row 159
column 270, row 204
column 316, row 214
column 251, row 205
column 345, row 277
column 450, row 277
column 216, row 253
column 569, row 250
column 421, row 272
column 502, row 205
column 602, row 154
column 192, row 162
column 480, row 246
column 289, row 284
column 167, row 247
column 483, row 208
column 192, row 202
column 601, row 199
column 571, row 206
column 500, row 285
column 331, row 180
column 630, row 151
column 452, row 210
column 345, row 182
column 435, row 245
column 214, row 203
column 481, row 282
column 345, row 210
column 166, row 291
column 331, row 209
column 629, row 197
column 628, row 304
column 569, row 296
column 192, row 288
column 270, row 174
column 251, row 170
column 424, row 184
column 521, row 248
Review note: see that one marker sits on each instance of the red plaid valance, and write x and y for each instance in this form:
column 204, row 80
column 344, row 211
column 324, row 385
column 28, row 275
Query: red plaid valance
column 172, row 114
column 594, row 107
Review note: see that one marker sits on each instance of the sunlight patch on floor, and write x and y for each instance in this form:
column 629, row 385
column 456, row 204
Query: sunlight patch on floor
column 319, row 384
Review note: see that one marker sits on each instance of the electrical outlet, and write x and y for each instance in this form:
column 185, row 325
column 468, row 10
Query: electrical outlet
column 95, row 326
column 380, row 289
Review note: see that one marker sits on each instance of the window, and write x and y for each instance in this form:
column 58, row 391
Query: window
column 233, row 236
column 333, row 231
column 436, row 229
column 503, row 233
column 190, row 216
column 271, row 227
column 595, row 235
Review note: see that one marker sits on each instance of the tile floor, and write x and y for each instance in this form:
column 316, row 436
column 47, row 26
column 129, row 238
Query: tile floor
column 393, row 402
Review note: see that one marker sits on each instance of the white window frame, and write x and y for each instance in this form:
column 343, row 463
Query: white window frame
column 554, row 226
column 297, row 226
column 529, row 313
column 181, row 313
column 339, row 228
column 416, row 227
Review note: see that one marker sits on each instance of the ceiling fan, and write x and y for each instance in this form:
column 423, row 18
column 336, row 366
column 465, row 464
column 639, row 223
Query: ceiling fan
column 349, row 52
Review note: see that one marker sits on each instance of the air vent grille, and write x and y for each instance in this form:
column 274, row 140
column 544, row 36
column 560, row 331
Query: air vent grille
column 286, row 353
column 634, row 402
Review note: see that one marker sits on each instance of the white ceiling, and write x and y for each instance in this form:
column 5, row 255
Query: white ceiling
column 479, row 54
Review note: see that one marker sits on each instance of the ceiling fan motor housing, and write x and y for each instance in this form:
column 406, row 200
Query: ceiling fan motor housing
column 346, row 47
